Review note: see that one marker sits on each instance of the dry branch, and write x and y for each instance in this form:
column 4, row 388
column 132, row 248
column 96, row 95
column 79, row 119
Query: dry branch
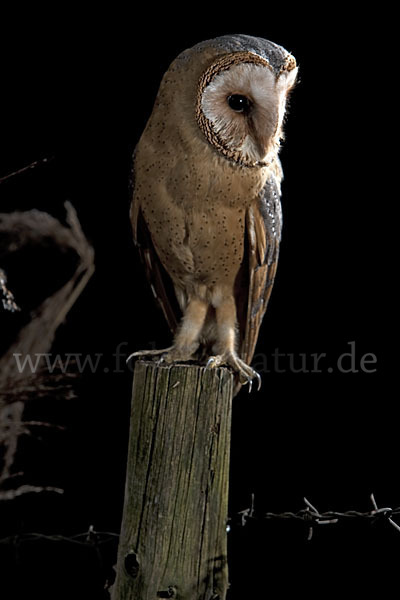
column 19, row 230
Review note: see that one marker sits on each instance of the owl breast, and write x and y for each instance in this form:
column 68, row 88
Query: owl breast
column 197, row 216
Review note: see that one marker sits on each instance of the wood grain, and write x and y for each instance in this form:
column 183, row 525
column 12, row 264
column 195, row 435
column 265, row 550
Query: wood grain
column 173, row 535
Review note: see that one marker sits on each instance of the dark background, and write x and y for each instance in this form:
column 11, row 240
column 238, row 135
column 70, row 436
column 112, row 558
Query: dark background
column 80, row 88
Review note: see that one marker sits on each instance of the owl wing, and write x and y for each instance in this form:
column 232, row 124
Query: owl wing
column 159, row 280
column 263, row 229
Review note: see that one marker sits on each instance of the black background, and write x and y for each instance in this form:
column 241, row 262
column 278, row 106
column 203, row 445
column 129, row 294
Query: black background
column 80, row 88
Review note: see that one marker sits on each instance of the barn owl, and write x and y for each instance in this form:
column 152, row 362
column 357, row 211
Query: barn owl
column 206, row 211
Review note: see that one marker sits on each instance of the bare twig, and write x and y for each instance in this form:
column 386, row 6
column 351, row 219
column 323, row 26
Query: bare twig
column 28, row 489
column 36, row 163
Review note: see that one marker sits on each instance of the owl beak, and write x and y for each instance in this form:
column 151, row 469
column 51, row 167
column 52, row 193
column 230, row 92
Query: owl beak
column 260, row 139
column 262, row 144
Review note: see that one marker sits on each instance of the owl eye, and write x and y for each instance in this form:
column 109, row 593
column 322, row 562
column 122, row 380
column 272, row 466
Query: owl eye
column 239, row 103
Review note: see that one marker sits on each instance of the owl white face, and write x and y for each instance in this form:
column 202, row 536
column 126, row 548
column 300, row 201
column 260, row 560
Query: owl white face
column 245, row 105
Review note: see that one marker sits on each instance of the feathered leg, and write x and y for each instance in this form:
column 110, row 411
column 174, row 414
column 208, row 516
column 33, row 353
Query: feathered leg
column 225, row 347
column 187, row 337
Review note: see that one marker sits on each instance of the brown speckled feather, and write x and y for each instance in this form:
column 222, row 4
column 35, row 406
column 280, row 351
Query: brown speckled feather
column 157, row 277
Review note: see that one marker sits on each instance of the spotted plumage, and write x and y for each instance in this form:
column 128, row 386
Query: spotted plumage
column 206, row 210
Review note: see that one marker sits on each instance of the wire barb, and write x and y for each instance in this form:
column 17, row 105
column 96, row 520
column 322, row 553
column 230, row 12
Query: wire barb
column 385, row 512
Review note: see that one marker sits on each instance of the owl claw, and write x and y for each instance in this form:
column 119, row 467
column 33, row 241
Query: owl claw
column 259, row 381
column 149, row 353
column 250, row 381
column 246, row 373
column 211, row 363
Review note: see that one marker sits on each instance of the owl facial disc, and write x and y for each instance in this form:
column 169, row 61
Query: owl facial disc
column 240, row 107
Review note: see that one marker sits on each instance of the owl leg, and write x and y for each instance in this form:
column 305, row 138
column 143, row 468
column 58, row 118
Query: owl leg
column 187, row 338
column 227, row 355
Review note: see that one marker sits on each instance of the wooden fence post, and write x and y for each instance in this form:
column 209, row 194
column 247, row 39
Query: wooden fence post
column 173, row 535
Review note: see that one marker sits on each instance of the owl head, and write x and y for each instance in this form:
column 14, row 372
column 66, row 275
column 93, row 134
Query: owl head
column 241, row 97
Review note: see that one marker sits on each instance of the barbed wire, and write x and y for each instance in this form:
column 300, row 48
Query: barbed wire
column 313, row 517
column 308, row 515
column 91, row 537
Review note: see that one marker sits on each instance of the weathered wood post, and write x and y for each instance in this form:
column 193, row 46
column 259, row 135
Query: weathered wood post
column 173, row 534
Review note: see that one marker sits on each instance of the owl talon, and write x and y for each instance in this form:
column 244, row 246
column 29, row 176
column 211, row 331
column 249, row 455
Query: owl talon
column 250, row 381
column 149, row 353
column 212, row 363
column 246, row 373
